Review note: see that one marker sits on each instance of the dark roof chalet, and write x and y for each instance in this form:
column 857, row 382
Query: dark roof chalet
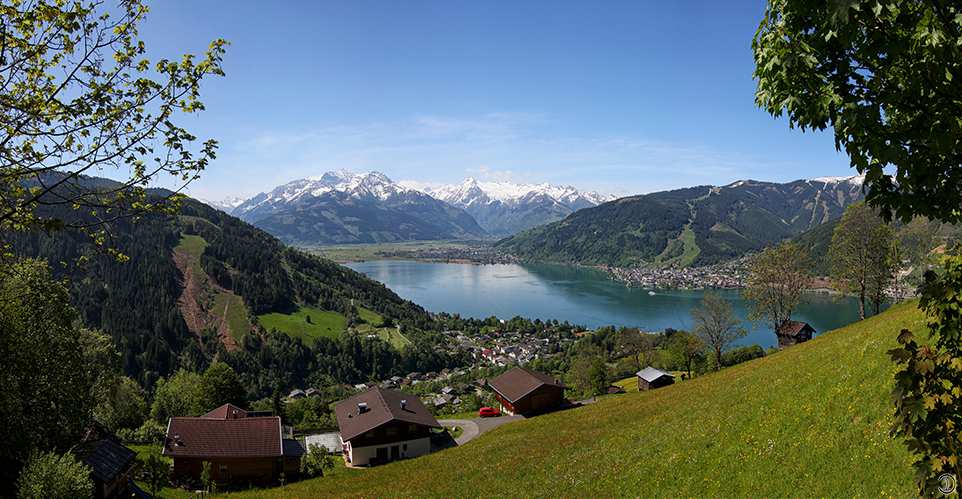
column 102, row 451
column 208, row 437
column 520, row 381
column 382, row 407
column 792, row 328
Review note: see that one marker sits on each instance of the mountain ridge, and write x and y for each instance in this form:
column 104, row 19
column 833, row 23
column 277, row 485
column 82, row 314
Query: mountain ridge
column 702, row 225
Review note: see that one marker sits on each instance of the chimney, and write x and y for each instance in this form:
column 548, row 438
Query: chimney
column 403, row 403
column 361, row 407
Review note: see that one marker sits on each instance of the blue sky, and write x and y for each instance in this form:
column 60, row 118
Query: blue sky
column 620, row 97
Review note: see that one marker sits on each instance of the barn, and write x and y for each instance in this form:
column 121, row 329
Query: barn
column 522, row 390
column 792, row 332
column 650, row 378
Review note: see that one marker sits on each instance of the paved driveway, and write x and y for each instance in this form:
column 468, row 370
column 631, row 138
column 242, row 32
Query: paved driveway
column 473, row 427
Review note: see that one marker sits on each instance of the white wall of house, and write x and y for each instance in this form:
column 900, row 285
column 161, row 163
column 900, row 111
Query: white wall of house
column 409, row 448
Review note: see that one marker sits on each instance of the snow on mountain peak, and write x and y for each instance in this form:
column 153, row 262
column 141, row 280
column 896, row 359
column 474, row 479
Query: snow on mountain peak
column 854, row 180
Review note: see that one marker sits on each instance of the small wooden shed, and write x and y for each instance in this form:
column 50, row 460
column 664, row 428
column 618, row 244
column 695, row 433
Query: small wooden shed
column 792, row 332
column 650, row 378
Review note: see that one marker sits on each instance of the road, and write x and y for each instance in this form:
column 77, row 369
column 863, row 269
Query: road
column 471, row 428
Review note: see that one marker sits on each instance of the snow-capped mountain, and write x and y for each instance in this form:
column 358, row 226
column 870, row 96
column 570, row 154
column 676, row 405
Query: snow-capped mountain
column 227, row 204
column 504, row 208
column 373, row 186
column 346, row 207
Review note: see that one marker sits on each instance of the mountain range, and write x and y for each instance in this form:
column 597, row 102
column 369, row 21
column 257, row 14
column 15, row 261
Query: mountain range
column 346, row 207
column 504, row 208
column 696, row 226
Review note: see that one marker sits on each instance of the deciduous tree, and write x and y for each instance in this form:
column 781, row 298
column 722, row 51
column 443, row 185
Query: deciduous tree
column 715, row 323
column 685, row 348
column 49, row 475
column 45, row 399
column 778, row 278
column 78, row 98
column 885, row 76
column 174, row 396
column 218, row 386
column 861, row 253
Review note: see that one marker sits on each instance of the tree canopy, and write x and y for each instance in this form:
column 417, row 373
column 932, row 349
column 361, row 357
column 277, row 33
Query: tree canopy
column 44, row 393
column 861, row 254
column 778, row 278
column 78, row 98
column 714, row 322
column 885, row 75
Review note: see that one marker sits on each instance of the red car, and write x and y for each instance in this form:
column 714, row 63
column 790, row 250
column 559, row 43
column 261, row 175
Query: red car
column 487, row 411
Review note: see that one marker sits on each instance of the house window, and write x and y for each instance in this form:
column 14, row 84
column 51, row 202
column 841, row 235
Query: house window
column 369, row 434
column 412, row 428
column 392, row 431
column 223, row 469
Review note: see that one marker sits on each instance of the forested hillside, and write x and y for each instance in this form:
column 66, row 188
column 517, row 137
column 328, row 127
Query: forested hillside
column 138, row 302
column 643, row 229
column 696, row 226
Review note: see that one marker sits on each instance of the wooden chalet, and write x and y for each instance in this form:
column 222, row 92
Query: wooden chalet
column 236, row 442
column 522, row 390
column 380, row 425
column 792, row 332
column 650, row 378
column 110, row 462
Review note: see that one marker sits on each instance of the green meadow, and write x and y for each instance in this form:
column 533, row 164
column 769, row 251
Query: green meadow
column 305, row 322
column 811, row 421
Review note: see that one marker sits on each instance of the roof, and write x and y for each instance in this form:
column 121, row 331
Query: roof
column 330, row 441
column 293, row 447
column 519, row 381
column 383, row 406
column 226, row 411
column 102, row 451
column 792, row 328
column 650, row 374
column 208, row 437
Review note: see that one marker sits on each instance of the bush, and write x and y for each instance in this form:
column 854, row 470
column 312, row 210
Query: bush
column 148, row 432
column 53, row 476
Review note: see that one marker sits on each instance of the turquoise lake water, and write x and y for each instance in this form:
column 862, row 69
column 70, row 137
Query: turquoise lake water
column 577, row 295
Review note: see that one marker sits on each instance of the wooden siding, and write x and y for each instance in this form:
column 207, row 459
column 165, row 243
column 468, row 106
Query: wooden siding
column 543, row 397
column 401, row 433
column 658, row 383
column 236, row 467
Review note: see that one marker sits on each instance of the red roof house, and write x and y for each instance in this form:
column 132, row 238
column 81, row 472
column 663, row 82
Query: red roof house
column 523, row 390
column 234, row 442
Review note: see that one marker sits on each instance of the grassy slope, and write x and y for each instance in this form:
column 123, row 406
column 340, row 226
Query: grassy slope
column 810, row 421
column 323, row 323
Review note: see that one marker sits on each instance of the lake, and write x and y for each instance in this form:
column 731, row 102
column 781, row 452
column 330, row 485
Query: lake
column 577, row 295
